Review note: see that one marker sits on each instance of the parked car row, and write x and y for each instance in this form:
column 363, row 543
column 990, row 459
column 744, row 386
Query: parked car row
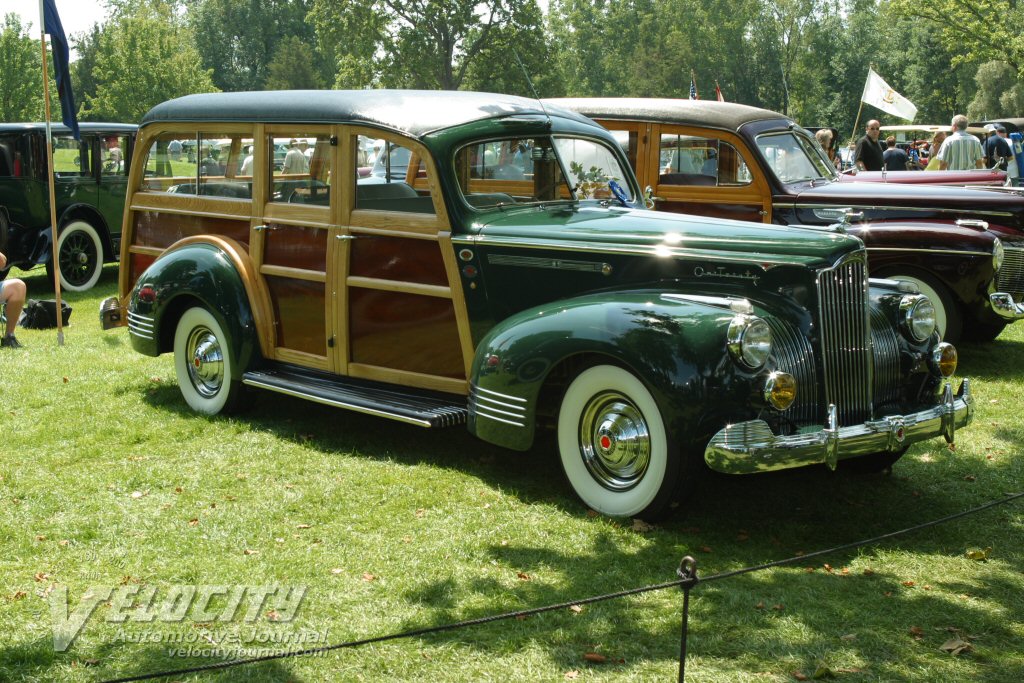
column 505, row 274
column 496, row 265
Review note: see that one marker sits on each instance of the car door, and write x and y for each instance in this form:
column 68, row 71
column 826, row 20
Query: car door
column 695, row 170
column 399, row 315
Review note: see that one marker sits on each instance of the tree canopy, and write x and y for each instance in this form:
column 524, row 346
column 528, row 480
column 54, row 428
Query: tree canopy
column 806, row 58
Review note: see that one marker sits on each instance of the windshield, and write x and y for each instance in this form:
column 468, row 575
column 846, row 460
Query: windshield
column 532, row 170
column 795, row 158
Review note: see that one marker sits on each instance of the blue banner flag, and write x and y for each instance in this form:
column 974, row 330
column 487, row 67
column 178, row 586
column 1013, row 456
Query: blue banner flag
column 61, row 72
column 693, row 88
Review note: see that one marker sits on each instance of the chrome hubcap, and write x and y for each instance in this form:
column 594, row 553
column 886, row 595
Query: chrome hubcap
column 614, row 441
column 205, row 362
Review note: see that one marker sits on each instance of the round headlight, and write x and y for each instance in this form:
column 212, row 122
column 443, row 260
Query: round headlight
column 780, row 390
column 998, row 254
column 918, row 316
column 749, row 341
column 944, row 359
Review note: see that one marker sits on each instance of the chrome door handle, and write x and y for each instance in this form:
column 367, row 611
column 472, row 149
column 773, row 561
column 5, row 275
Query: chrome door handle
column 260, row 228
column 344, row 237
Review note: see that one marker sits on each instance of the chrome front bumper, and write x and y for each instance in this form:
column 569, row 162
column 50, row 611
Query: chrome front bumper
column 749, row 447
column 1004, row 306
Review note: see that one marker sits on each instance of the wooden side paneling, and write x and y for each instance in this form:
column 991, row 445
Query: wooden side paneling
column 160, row 229
column 404, row 331
column 299, row 311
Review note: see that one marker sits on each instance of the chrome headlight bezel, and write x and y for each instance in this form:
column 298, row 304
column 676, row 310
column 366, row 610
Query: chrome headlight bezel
column 917, row 317
column 998, row 254
column 749, row 340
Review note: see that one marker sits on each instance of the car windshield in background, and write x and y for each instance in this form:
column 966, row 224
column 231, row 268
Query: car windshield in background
column 532, row 170
column 794, row 158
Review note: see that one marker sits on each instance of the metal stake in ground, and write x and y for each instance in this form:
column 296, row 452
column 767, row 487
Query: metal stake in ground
column 688, row 573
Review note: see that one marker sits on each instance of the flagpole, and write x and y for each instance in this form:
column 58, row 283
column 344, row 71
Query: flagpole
column 51, row 179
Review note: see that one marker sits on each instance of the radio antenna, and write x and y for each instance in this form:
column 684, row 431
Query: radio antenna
column 529, row 82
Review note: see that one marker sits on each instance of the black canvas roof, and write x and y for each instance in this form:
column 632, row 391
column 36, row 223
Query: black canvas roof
column 414, row 112
column 710, row 113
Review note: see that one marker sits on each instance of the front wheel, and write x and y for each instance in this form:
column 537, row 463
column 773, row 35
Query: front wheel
column 80, row 255
column 204, row 363
column 613, row 444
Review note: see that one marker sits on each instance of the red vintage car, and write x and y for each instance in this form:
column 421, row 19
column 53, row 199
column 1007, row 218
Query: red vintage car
column 733, row 161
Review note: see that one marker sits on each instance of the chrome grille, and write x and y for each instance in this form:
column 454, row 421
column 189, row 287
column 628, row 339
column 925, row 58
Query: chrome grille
column 792, row 353
column 1010, row 277
column 886, row 353
column 845, row 338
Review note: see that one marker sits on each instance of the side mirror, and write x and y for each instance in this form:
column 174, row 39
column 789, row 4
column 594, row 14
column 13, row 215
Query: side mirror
column 649, row 198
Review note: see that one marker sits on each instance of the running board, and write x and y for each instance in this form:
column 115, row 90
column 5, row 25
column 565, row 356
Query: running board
column 413, row 406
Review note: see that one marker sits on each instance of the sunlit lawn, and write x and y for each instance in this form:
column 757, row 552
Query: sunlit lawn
column 107, row 480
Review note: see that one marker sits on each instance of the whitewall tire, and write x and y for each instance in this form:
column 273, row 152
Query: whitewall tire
column 80, row 254
column 613, row 444
column 203, row 363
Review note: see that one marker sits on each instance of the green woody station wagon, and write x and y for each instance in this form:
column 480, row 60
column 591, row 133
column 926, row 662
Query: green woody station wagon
column 506, row 277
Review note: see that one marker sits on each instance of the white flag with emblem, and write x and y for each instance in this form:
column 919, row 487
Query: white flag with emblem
column 878, row 94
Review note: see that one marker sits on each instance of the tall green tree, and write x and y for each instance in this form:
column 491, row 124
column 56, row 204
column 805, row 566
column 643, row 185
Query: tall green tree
column 83, row 69
column 420, row 44
column 21, row 75
column 143, row 59
column 978, row 31
column 292, row 66
column 238, row 39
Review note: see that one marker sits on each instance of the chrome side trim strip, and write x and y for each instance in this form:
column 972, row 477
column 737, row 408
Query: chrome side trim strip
column 958, row 252
column 556, row 264
column 779, row 205
column 656, row 250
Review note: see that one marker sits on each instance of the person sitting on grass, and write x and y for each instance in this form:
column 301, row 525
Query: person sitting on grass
column 12, row 293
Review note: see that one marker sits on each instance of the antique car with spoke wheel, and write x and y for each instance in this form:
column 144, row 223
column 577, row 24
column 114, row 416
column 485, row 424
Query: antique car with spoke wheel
column 964, row 247
column 509, row 280
column 90, row 179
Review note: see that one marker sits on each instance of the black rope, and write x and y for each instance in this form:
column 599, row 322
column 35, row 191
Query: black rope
column 686, row 583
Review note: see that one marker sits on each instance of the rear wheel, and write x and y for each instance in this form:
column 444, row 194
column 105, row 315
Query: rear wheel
column 948, row 320
column 80, row 255
column 614, row 446
column 204, row 363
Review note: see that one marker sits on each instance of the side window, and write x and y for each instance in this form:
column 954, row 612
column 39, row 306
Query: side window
column 12, row 159
column 71, row 158
column 171, row 164
column 693, row 160
column 113, row 155
column 390, row 177
column 301, row 169
column 220, row 161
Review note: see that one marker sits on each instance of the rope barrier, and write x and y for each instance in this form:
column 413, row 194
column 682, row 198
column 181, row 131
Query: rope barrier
column 687, row 573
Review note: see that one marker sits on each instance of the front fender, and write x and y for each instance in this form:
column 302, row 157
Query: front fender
column 193, row 275
column 675, row 346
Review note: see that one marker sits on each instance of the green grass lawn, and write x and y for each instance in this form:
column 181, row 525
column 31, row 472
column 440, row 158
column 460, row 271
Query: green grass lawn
column 106, row 479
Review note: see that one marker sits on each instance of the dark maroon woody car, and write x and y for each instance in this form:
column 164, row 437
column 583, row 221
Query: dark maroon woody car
column 733, row 161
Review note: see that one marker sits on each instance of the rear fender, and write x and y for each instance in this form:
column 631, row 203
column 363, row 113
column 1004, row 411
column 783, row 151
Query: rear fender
column 196, row 273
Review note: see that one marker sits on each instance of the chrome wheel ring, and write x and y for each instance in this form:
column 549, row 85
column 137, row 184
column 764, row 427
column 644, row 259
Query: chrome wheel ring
column 615, row 442
column 205, row 362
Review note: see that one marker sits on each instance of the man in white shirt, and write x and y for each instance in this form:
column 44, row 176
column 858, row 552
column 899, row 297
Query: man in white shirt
column 961, row 150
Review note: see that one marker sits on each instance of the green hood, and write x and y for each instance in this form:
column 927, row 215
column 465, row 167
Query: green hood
column 666, row 234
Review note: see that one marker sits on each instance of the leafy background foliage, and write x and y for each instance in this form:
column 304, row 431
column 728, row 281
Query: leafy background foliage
column 805, row 58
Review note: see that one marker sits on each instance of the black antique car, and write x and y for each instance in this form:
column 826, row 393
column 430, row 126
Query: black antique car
column 509, row 282
column 91, row 178
column 733, row 161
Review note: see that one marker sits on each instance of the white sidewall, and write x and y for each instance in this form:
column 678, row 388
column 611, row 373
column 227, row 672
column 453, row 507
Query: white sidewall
column 586, row 385
column 195, row 317
column 82, row 226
